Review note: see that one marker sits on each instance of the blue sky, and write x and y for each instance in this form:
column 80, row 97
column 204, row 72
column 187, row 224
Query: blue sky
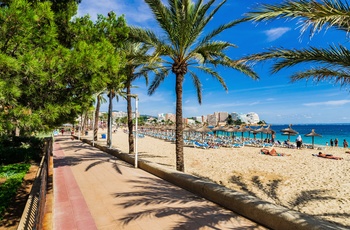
column 273, row 97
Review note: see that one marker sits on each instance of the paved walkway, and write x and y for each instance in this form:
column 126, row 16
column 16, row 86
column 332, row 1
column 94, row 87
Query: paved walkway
column 93, row 190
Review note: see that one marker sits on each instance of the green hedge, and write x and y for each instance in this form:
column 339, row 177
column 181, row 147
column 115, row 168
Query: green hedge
column 14, row 175
column 20, row 149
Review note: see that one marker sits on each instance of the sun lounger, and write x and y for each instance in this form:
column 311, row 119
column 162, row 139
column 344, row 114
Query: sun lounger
column 236, row 145
column 196, row 144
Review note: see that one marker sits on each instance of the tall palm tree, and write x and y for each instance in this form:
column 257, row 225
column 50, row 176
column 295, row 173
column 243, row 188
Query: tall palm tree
column 139, row 63
column 99, row 99
column 332, row 62
column 185, row 48
column 113, row 92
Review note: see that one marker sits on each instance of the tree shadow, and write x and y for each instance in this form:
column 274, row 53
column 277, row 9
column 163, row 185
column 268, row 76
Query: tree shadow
column 237, row 180
column 301, row 199
column 92, row 154
column 269, row 189
column 158, row 199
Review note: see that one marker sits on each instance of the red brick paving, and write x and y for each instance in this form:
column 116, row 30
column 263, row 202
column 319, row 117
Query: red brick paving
column 93, row 190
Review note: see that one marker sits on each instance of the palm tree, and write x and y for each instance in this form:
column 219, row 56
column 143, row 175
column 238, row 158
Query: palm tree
column 333, row 62
column 184, row 48
column 137, row 59
column 99, row 99
column 113, row 92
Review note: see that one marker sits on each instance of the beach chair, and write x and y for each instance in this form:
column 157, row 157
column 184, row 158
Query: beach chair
column 196, row 144
column 236, row 145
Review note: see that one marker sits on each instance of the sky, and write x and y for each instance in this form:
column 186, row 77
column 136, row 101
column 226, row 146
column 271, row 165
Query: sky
column 273, row 97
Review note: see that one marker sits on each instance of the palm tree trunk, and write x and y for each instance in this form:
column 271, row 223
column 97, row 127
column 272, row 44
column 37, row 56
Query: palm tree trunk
column 130, row 126
column 180, row 166
column 97, row 112
column 109, row 122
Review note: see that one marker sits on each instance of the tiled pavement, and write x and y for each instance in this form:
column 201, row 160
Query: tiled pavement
column 93, row 190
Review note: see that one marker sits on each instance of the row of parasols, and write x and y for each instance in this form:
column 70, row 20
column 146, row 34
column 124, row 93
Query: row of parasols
column 242, row 129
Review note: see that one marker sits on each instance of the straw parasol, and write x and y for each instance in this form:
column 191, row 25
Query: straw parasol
column 232, row 129
column 242, row 129
column 260, row 130
column 313, row 134
column 289, row 131
column 203, row 129
column 218, row 128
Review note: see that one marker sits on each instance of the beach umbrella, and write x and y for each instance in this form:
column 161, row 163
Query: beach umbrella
column 218, row 128
column 260, row 130
column 232, row 129
column 242, row 129
column 250, row 129
column 268, row 130
column 203, row 130
column 189, row 129
column 313, row 134
column 289, row 131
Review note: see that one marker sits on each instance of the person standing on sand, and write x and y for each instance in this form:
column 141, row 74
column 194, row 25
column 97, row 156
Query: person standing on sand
column 336, row 142
column 299, row 142
column 345, row 143
column 331, row 141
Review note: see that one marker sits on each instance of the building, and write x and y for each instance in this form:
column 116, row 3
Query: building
column 170, row 117
column 161, row 117
column 252, row 118
column 212, row 120
column 221, row 116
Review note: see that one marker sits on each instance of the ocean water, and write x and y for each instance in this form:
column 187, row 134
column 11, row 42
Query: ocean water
column 328, row 131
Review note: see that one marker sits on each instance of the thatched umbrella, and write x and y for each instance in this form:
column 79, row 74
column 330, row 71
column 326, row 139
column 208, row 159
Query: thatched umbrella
column 218, row 128
column 242, row 129
column 268, row 130
column 313, row 134
column 260, row 130
column 289, row 131
column 203, row 130
column 232, row 129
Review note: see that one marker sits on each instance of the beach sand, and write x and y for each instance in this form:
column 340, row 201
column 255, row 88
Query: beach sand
column 302, row 182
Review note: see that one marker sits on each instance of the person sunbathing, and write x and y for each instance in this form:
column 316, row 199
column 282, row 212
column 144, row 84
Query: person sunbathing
column 328, row 156
column 272, row 152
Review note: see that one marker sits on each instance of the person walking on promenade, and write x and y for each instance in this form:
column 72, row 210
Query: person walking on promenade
column 345, row 143
column 336, row 142
column 331, row 141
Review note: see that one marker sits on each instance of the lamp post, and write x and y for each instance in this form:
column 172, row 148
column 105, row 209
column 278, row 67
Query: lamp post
column 136, row 131
column 93, row 128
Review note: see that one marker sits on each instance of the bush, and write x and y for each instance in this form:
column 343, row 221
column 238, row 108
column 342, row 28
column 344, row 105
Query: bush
column 14, row 175
column 21, row 149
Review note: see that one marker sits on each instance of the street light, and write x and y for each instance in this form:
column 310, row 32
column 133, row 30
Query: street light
column 136, row 133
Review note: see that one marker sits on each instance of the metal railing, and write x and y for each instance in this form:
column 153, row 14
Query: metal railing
column 34, row 211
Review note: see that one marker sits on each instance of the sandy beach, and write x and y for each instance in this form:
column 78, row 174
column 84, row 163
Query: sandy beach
column 312, row 185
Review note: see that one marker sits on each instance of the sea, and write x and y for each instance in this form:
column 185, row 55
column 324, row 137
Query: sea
column 327, row 132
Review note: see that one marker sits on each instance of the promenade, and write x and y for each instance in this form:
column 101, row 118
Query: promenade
column 94, row 190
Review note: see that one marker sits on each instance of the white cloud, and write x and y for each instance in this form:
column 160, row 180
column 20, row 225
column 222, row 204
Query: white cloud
column 136, row 12
column 331, row 103
column 275, row 33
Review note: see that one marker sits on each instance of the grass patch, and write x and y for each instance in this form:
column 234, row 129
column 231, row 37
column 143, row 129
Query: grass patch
column 12, row 175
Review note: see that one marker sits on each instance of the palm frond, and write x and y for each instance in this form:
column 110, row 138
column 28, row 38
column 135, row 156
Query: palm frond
column 159, row 78
column 214, row 74
column 220, row 29
column 211, row 50
column 162, row 14
column 320, row 74
column 334, row 55
column 197, row 85
column 314, row 15
column 238, row 65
